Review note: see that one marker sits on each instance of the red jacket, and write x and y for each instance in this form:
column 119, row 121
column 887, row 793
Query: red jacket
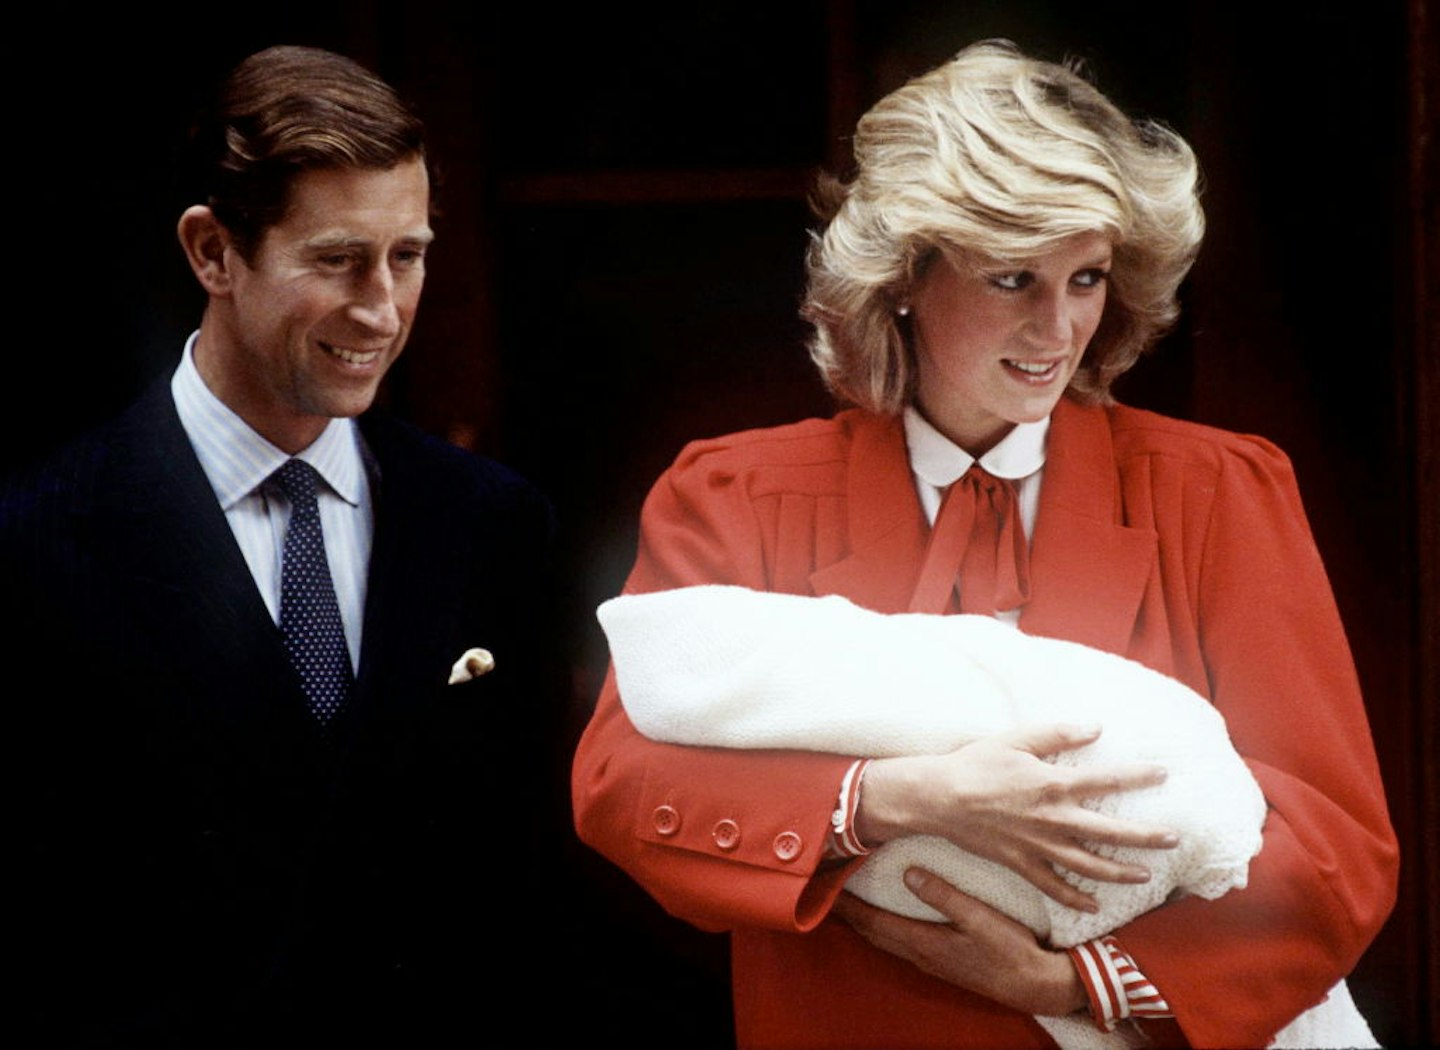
column 1183, row 547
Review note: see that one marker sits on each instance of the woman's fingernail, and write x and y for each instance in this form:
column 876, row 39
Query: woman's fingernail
column 915, row 879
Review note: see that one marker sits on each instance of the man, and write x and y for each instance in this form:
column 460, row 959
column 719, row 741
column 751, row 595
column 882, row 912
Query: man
column 255, row 811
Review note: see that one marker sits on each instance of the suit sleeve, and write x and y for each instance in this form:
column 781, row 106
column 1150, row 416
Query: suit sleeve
column 1237, row 969
column 721, row 838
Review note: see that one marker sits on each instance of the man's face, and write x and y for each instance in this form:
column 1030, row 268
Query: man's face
column 323, row 308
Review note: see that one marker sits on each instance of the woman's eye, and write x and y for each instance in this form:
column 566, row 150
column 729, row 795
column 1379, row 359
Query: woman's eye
column 1090, row 278
column 1011, row 282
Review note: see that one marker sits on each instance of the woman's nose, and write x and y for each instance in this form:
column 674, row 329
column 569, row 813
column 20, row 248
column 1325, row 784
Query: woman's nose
column 1050, row 323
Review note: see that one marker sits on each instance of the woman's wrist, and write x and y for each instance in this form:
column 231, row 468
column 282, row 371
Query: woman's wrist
column 1074, row 994
column 886, row 808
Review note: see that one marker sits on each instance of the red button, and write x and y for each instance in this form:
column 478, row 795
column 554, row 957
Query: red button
column 787, row 845
column 727, row 834
column 667, row 820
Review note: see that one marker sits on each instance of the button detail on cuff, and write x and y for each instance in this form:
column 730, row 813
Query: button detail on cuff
column 727, row 834
column 666, row 819
column 787, row 845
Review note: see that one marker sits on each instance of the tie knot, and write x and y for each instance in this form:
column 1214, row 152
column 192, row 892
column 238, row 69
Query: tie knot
column 978, row 540
column 297, row 479
column 983, row 481
column 981, row 478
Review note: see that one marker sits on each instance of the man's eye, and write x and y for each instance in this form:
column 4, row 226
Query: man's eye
column 410, row 256
column 336, row 261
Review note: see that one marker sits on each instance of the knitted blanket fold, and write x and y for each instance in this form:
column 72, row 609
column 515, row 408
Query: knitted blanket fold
column 720, row 666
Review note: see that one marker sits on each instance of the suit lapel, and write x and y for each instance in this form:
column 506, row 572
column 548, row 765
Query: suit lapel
column 185, row 577
column 418, row 567
column 887, row 525
column 1088, row 570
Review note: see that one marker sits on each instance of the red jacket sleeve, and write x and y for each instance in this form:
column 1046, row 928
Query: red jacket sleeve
column 1280, row 670
column 721, row 838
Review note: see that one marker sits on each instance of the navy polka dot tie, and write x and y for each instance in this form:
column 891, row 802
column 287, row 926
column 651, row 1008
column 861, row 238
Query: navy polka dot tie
column 310, row 622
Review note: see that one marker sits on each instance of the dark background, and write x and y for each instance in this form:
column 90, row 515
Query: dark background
column 619, row 264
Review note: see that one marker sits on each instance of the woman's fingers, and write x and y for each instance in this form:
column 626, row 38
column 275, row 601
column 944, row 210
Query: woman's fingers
column 1075, row 857
column 1070, row 842
column 1108, row 779
column 978, row 948
column 1054, row 738
column 997, row 797
column 1050, row 738
column 1049, row 882
column 1088, row 826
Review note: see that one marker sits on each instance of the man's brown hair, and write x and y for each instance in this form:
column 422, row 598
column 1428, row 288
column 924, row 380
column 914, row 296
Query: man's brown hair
column 286, row 110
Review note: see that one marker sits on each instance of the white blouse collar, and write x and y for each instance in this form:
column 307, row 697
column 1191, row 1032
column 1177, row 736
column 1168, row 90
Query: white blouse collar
column 936, row 459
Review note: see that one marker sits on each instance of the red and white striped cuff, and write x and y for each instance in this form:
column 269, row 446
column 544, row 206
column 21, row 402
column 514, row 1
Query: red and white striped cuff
column 843, row 842
column 1114, row 985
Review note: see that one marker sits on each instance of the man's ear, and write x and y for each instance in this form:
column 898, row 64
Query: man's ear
column 207, row 245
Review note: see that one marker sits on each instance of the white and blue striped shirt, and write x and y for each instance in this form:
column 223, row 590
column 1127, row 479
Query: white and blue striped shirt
column 238, row 461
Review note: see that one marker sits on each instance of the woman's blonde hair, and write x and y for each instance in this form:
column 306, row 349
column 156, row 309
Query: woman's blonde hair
column 995, row 156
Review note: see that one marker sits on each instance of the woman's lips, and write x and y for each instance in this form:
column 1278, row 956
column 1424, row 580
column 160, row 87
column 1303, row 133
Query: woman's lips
column 1033, row 371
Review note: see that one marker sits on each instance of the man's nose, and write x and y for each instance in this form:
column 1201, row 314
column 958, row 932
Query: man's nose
column 374, row 306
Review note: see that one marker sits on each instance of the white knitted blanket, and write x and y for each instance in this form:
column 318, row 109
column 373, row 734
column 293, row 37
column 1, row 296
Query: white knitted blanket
column 724, row 666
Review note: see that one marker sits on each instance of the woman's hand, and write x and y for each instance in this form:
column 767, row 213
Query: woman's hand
column 999, row 799
column 978, row 949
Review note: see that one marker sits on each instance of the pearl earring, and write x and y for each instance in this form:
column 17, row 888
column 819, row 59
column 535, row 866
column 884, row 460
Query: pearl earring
column 903, row 310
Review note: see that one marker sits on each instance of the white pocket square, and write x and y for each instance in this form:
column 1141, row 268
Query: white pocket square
column 472, row 664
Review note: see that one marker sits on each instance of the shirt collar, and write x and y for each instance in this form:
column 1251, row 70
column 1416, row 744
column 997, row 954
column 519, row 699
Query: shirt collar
column 237, row 460
column 936, row 459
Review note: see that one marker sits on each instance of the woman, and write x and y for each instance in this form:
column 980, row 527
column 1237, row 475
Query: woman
column 1009, row 244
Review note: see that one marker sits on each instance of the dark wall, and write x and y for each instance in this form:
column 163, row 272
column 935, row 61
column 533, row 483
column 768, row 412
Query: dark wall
column 619, row 263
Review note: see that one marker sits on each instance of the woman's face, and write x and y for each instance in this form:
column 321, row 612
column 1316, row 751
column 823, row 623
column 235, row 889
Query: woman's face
column 996, row 346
